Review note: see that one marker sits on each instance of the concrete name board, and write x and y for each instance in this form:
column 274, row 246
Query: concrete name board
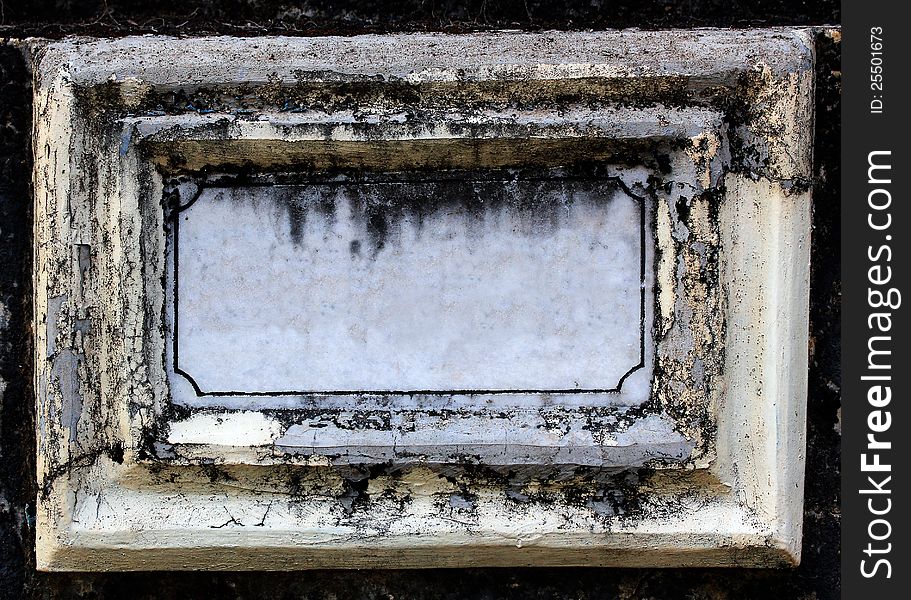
column 422, row 300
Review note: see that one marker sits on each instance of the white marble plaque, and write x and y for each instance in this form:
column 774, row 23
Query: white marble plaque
column 433, row 286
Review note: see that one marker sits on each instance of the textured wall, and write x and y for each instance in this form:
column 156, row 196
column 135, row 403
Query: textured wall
column 818, row 575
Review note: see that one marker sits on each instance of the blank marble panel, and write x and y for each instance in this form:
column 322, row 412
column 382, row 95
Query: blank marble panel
column 520, row 285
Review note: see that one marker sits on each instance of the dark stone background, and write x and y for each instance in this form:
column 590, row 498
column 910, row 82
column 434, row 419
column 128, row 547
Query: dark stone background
column 817, row 577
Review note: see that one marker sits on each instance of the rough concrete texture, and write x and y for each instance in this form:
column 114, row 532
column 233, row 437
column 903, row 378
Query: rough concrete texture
column 734, row 192
column 817, row 577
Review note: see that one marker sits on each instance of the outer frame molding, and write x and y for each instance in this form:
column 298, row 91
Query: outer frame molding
column 730, row 111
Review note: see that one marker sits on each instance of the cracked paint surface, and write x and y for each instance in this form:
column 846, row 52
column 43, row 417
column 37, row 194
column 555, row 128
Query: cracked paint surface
column 101, row 356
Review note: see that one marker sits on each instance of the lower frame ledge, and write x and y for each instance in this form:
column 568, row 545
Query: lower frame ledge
column 758, row 552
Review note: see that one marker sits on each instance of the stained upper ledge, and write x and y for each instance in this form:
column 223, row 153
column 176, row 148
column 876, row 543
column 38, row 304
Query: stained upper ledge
column 415, row 57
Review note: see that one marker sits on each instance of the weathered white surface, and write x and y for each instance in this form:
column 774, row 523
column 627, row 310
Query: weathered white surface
column 516, row 286
column 767, row 236
column 100, row 343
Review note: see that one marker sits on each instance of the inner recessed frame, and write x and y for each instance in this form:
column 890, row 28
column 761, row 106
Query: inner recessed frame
column 614, row 428
column 612, row 425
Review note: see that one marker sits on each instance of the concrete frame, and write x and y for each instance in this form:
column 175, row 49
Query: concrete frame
column 128, row 484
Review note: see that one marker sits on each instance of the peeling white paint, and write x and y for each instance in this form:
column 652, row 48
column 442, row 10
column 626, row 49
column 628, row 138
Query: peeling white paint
column 244, row 488
column 229, row 429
